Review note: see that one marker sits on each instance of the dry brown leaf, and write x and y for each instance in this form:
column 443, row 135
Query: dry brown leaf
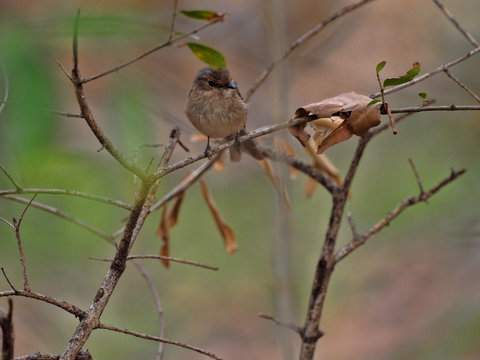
column 226, row 231
column 219, row 164
column 279, row 186
column 287, row 148
column 163, row 233
column 310, row 187
column 351, row 107
column 323, row 163
column 175, row 210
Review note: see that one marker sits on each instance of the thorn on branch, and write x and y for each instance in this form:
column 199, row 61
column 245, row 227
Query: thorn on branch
column 290, row 326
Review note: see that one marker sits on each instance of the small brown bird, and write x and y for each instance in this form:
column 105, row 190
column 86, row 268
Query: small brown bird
column 216, row 109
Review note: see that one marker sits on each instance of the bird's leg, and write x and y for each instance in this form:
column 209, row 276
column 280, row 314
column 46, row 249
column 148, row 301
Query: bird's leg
column 207, row 149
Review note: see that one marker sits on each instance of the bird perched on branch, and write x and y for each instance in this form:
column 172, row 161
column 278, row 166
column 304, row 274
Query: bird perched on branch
column 216, row 109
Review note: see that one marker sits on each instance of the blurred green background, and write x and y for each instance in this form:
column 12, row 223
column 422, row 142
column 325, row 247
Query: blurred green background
column 411, row 292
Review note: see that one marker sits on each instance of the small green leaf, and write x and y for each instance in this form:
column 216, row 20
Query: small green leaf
column 423, row 95
column 404, row 78
column 205, row 15
column 380, row 66
column 208, row 55
column 374, row 101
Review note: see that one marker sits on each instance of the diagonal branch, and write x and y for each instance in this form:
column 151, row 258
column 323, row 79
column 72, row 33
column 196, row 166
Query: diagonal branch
column 462, row 85
column 156, row 338
column 301, row 40
column 360, row 240
column 460, row 28
column 87, row 113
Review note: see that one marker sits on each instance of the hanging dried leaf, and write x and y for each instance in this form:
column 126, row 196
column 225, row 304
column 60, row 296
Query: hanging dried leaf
column 163, row 233
column 226, row 231
column 323, row 163
column 310, row 187
column 353, row 108
column 175, row 210
column 285, row 147
column 280, row 187
column 220, row 164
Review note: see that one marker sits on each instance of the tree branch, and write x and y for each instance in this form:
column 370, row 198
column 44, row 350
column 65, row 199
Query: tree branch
column 156, row 338
column 351, row 246
column 8, row 334
column 301, row 40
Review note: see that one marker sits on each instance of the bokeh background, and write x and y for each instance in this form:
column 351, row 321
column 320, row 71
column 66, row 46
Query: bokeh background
column 413, row 291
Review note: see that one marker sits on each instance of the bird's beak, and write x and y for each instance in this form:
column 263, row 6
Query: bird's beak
column 231, row 85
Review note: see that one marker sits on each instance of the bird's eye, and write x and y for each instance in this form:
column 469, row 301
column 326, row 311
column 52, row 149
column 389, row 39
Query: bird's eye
column 212, row 83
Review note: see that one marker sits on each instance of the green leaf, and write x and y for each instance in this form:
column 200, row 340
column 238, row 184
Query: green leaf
column 205, row 15
column 374, row 101
column 405, row 78
column 380, row 66
column 423, row 95
column 208, row 55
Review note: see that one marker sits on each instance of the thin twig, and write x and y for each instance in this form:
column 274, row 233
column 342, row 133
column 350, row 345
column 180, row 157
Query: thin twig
column 417, row 176
column 80, row 194
column 158, row 303
column 355, row 243
column 290, row 326
column 462, row 85
column 62, row 67
column 161, row 257
column 449, row 15
column 390, row 118
column 61, row 214
column 156, row 338
column 12, row 180
column 434, row 72
column 146, row 53
column 436, row 108
column 72, row 309
column 66, row 114
column 301, row 40
column 105, row 142
column 8, row 280
column 7, row 86
column 174, row 18
column 26, row 285
column 352, row 225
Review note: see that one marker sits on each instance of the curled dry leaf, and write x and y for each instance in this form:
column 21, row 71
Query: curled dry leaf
column 287, row 148
column 279, row 186
column 175, row 210
column 350, row 107
column 226, row 231
column 163, row 233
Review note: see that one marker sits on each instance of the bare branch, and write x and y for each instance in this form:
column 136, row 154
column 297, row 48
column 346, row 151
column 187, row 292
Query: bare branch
column 8, row 280
column 7, row 87
column 61, row 113
column 462, row 85
column 62, row 68
column 174, row 18
column 161, row 257
column 158, row 303
column 148, row 52
column 88, row 116
column 301, row 40
column 61, row 214
column 72, row 309
column 12, row 180
column 460, row 28
column 80, row 194
column 156, row 338
column 26, row 285
column 351, row 223
column 351, row 246
column 436, row 108
column 82, row 355
column 290, row 326
column 434, row 72
column 417, row 176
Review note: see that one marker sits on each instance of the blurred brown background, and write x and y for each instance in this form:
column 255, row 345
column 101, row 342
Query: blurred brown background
column 411, row 292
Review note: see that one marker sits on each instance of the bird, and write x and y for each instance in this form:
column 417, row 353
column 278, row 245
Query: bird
column 216, row 108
